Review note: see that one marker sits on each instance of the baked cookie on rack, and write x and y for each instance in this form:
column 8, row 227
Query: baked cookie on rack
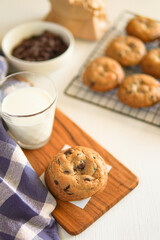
column 139, row 90
column 151, row 63
column 103, row 74
column 143, row 28
column 127, row 50
column 76, row 173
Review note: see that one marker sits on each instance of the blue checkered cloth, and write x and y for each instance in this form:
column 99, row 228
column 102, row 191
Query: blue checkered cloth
column 25, row 203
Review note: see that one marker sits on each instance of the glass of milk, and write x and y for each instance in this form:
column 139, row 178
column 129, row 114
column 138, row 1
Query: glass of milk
column 28, row 103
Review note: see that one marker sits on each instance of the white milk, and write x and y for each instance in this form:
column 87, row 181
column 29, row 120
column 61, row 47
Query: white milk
column 29, row 131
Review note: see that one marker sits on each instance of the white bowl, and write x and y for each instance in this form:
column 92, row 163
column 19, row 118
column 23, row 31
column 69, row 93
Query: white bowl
column 26, row 30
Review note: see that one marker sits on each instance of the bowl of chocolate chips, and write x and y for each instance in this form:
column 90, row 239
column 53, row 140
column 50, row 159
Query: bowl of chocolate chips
column 38, row 46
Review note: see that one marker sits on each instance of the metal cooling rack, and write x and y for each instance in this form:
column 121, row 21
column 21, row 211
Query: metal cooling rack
column 109, row 100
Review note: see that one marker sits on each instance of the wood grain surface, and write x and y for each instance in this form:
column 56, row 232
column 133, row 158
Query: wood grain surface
column 120, row 181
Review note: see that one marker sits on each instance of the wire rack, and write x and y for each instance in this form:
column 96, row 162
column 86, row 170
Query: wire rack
column 109, row 100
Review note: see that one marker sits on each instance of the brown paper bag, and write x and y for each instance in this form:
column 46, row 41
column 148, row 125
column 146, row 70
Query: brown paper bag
column 86, row 19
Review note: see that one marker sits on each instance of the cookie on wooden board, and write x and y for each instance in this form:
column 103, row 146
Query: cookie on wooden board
column 76, row 173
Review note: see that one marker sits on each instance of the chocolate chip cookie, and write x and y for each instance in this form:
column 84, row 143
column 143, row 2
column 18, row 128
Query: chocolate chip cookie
column 76, row 173
column 151, row 63
column 127, row 50
column 139, row 90
column 103, row 74
column 144, row 28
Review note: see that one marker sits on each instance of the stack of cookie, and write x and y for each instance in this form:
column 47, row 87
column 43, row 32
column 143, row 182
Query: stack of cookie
column 107, row 72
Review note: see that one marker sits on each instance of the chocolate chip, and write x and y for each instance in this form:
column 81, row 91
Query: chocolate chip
column 81, row 165
column 95, row 168
column 149, row 66
column 66, row 188
column 68, row 152
column 121, row 54
column 79, row 154
column 56, row 182
column 59, row 161
column 130, row 92
column 94, row 157
column 151, row 97
column 87, row 179
column 69, row 193
column 92, row 84
column 66, row 171
column 101, row 74
column 39, row 48
column 132, row 45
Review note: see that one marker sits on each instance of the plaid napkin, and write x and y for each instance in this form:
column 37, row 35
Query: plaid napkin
column 25, row 203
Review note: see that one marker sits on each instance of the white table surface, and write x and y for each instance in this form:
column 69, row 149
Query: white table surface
column 134, row 143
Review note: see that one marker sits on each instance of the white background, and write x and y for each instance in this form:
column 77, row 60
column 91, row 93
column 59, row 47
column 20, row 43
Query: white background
column 134, row 143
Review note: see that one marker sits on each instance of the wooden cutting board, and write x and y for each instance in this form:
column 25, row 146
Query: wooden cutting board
column 121, row 180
